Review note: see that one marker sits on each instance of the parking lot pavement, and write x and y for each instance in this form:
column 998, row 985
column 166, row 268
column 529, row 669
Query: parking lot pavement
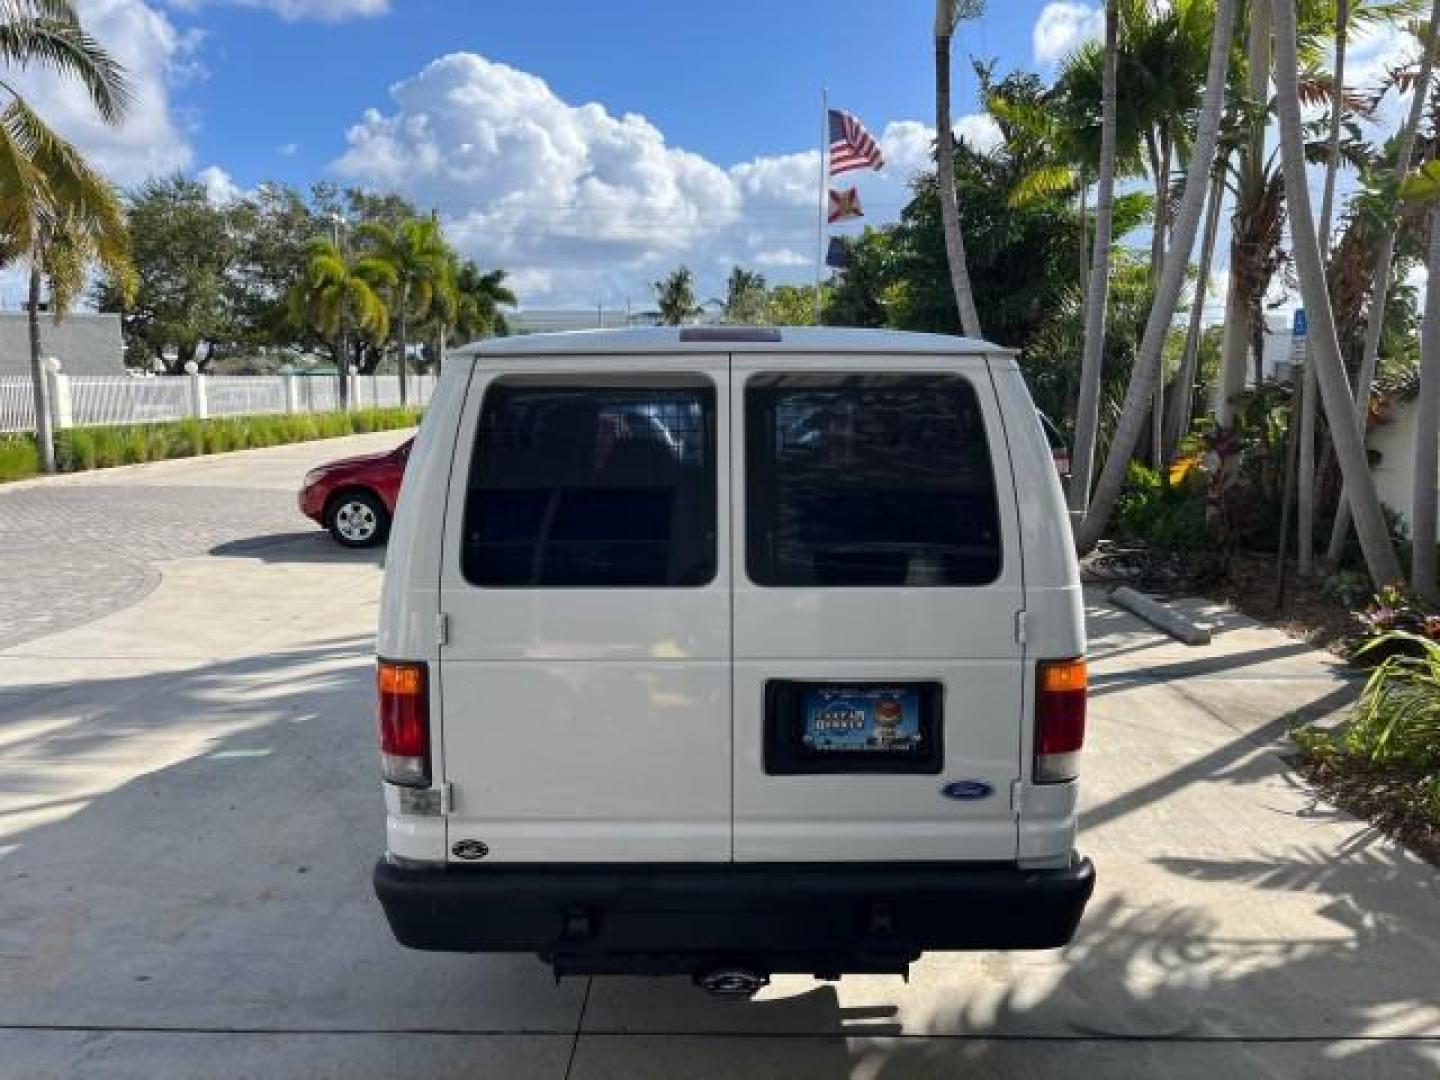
column 189, row 814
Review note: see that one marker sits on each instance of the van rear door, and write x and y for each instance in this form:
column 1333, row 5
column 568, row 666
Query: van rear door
column 878, row 672
column 585, row 578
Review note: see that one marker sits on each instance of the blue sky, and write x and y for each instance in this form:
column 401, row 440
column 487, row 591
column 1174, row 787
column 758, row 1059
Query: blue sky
column 727, row 81
column 588, row 149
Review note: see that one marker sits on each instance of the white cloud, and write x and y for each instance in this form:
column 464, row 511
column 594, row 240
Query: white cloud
column 581, row 205
column 980, row 131
column 288, row 149
column 220, row 187
column 155, row 55
column 783, row 257
column 1062, row 26
column 296, row 10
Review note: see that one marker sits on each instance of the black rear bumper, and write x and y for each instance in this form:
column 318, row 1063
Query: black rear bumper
column 825, row 919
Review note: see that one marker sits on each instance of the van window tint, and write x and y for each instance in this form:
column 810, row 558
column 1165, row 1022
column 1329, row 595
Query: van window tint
column 592, row 486
column 868, row 480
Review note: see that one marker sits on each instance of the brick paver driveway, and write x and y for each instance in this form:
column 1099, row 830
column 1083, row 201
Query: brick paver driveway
column 82, row 546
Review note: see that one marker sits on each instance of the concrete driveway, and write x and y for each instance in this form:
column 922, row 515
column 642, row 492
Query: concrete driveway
column 189, row 813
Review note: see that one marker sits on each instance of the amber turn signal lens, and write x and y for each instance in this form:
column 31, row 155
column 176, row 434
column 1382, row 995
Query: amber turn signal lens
column 1058, row 676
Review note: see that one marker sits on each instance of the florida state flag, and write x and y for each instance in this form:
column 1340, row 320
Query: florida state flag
column 844, row 205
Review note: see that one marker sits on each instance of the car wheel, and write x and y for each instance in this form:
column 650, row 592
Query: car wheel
column 357, row 519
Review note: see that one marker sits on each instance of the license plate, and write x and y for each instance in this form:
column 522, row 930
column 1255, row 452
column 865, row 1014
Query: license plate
column 875, row 720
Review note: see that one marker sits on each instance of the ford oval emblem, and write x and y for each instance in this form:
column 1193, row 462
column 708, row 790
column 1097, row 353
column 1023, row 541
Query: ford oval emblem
column 967, row 790
column 470, row 849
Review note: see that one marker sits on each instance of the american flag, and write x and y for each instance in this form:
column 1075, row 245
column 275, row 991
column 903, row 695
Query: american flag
column 851, row 146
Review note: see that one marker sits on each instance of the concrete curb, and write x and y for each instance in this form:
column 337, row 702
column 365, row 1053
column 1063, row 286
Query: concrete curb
column 1160, row 616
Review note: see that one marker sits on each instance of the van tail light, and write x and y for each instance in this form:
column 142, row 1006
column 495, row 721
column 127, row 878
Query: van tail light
column 1059, row 720
column 404, row 714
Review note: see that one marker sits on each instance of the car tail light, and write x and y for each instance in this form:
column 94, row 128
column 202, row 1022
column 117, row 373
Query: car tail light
column 404, row 713
column 1059, row 720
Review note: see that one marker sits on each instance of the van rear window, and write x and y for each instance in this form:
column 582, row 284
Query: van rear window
column 590, row 486
column 868, row 481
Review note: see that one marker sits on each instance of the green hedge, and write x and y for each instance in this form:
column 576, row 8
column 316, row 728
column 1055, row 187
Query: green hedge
column 77, row 449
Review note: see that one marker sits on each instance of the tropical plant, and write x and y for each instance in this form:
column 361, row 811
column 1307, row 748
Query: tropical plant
column 339, row 298
column 675, row 297
column 1379, row 552
column 795, row 305
column 1146, row 373
column 1398, row 718
column 948, row 14
column 55, row 210
column 1424, row 186
column 1087, row 409
column 744, row 296
column 418, row 261
column 1382, row 276
column 481, row 296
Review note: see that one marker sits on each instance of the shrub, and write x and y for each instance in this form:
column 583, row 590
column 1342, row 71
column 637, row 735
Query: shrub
column 1398, row 718
column 19, row 457
column 77, row 449
column 1166, row 515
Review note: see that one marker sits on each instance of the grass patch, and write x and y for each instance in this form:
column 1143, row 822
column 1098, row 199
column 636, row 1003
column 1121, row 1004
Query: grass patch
column 19, row 457
column 82, row 448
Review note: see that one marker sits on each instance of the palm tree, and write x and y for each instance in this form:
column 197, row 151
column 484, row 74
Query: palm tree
column 419, row 261
column 948, row 14
column 1172, row 280
column 1427, row 429
column 1423, row 186
column 480, row 296
column 1255, row 227
column 1182, row 403
column 744, row 296
column 1375, row 542
column 1087, row 410
column 338, row 295
column 1305, row 478
column 54, row 209
column 1380, row 284
column 675, row 296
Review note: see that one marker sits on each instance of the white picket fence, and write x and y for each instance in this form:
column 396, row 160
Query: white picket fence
column 84, row 400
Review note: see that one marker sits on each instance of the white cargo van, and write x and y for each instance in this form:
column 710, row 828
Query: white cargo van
column 726, row 651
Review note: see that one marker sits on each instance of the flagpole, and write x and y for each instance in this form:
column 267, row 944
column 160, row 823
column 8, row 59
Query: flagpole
column 820, row 207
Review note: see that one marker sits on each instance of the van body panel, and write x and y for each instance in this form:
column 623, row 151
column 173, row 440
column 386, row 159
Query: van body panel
column 589, row 724
column 963, row 637
column 1055, row 615
column 606, row 751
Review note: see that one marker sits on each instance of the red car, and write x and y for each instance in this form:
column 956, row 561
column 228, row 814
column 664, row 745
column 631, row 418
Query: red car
column 355, row 497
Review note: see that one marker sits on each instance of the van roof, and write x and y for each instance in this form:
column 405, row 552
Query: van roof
column 683, row 339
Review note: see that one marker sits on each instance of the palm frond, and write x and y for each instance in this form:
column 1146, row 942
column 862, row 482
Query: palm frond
column 1043, row 182
column 68, row 50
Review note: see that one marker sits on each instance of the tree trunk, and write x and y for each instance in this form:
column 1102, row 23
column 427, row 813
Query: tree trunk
column 1182, row 402
column 1162, row 229
column 1235, row 345
column 1380, row 291
column 945, row 173
column 400, row 340
column 1380, row 556
column 44, row 422
column 1087, row 410
column 1305, row 481
column 1427, row 430
column 1172, row 280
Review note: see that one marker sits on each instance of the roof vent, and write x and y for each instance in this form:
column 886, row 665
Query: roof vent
column 729, row 333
